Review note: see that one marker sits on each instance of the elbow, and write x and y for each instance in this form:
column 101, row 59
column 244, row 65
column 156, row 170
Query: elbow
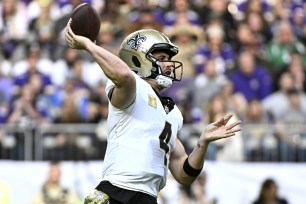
column 124, row 78
column 187, row 181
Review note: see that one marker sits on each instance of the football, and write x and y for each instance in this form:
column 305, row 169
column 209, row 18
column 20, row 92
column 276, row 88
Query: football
column 85, row 21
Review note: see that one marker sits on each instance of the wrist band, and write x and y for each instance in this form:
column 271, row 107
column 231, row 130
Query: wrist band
column 189, row 170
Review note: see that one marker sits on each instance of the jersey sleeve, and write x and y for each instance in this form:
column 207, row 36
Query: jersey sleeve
column 109, row 89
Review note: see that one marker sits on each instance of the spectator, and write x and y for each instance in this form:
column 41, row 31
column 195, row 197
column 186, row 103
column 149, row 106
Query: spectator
column 33, row 64
column 253, row 81
column 69, row 112
column 260, row 7
column 41, row 27
column 216, row 12
column 235, row 102
column 146, row 19
column 269, row 193
column 43, row 104
column 25, row 111
column 98, row 97
column 52, row 190
column 259, row 138
column 108, row 37
column 13, row 27
column 66, row 141
column 279, row 49
column 76, row 74
column 278, row 100
column 188, row 38
column 63, row 66
column 298, row 22
column 181, row 13
column 117, row 12
column 297, row 69
column 72, row 65
column 259, row 27
column 280, row 10
column 207, row 84
column 290, row 127
column 35, row 8
column 215, row 48
column 246, row 40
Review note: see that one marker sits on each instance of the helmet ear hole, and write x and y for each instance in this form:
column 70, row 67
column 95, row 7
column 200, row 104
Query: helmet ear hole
column 136, row 62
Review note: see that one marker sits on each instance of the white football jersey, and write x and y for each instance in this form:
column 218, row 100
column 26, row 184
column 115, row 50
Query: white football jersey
column 140, row 140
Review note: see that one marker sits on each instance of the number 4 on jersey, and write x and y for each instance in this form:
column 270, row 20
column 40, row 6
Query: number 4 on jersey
column 164, row 139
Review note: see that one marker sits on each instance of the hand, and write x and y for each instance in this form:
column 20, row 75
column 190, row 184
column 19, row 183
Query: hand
column 97, row 197
column 219, row 129
column 75, row 41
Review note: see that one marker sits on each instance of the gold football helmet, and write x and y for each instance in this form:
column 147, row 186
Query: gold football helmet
column 137, row 51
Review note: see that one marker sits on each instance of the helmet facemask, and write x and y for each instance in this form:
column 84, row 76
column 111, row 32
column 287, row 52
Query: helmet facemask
column 173, row 72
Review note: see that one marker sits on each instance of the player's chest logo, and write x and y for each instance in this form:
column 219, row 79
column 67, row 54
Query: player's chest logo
column 136, row 41
column 152, row 101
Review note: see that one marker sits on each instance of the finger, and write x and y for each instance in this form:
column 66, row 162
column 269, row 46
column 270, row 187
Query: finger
column 67, row 34
column 230, row 135
column 69, row 40
column 227, row 118
column 233, row 130
column 71, row 31
column 233, row 125
column 69, row 37
column 227, row 135
column 70, row 20
column 219, row 122
column 68, row 25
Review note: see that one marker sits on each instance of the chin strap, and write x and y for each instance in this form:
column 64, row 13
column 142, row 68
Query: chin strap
column 163, row 81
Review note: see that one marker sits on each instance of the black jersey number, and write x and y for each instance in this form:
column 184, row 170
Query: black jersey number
column 164, row 139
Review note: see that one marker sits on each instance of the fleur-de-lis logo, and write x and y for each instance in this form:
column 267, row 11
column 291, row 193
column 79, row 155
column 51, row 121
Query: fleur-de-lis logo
column 135, row 41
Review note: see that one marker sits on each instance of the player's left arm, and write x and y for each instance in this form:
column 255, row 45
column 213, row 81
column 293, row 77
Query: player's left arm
column 186, row 168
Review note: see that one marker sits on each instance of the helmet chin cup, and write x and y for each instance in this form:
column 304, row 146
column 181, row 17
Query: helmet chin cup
column 163, row 81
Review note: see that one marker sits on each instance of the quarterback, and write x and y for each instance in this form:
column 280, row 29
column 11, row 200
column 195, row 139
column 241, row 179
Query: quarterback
column 142, row 126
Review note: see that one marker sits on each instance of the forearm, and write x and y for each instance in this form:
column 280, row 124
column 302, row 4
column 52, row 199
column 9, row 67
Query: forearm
column 197, row 156
column 113, row 67
column 190, row 166
column 195, row 161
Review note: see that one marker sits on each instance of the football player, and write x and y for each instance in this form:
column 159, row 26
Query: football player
column 142, row 125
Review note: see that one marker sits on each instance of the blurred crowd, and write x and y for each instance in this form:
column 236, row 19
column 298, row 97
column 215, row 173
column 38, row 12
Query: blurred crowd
column 239, row 56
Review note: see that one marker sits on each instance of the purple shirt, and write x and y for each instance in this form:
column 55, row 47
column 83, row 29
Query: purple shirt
column 204, row 53
column 23, row 79
column 256, row 86
column 6, row 86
